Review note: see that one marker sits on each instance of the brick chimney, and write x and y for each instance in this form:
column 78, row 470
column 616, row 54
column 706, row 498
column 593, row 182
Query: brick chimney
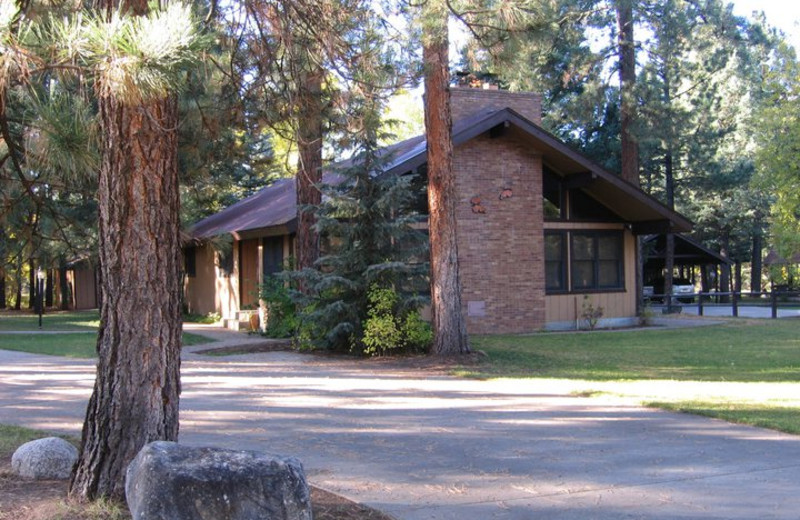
column 465, row 101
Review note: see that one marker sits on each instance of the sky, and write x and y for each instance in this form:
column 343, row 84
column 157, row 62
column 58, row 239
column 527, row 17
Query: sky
column 783, row 14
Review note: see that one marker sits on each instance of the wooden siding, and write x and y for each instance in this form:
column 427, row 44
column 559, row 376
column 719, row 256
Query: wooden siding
column 211, row 289
column 249, row 254
column 85, row 289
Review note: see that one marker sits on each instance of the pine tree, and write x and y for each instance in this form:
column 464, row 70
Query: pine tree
column 136, row 392
column 367, row 221
column 449, row 325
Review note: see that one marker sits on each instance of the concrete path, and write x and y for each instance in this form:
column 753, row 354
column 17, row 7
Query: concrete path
column 726, row 311
column 430, row 447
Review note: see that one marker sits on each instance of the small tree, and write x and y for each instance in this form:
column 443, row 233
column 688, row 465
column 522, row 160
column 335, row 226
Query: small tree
column 366, row 224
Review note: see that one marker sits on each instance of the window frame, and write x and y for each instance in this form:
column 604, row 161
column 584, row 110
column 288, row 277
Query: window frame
column 564, row 263
column 568, row 261
column 596, row 236
column 190, row 261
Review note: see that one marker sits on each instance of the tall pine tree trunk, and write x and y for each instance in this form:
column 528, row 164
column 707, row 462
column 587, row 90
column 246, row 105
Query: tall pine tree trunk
column 3, row 252
column 627, row 79
column 64, row 291
column 725, row 269
column 669, row 182
column 756, row 262
column 32, row 286
column 48, row 289
column 135, row 397
column 18, row 282
column 450, row 331
column 309, row 171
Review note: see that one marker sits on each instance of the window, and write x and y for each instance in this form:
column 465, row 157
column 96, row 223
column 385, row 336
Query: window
column 552, row 196
column 583, row 253
column 584, row 207
column 583, row 261
column 597, row 261
column 190, row 261
column 555, row 262
column 272, row 255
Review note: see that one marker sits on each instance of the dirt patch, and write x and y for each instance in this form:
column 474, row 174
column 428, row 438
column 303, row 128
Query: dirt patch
column 427, row 363
column 22, row 499
column 417, row 363
column 272, row 345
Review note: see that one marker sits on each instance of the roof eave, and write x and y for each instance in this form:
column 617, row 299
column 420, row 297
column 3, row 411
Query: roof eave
column 677, row 222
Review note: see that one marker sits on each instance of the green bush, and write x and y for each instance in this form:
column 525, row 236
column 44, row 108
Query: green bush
column 210, row 318
column 388, row 329
column 591, row 314
column 419, row 334
column 281, row 312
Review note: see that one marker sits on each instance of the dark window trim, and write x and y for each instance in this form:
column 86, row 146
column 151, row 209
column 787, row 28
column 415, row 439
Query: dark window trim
column 564, row 263
column 190, row 261
column 567, row 261
column 596, row 235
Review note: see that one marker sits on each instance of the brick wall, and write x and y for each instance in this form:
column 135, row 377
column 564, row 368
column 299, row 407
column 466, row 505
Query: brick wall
column 500, row 222
column 466, row 101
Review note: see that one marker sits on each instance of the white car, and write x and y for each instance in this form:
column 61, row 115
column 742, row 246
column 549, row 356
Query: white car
column 682, row 289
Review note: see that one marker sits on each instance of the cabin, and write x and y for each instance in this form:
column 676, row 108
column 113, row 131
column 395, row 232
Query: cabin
column 542, row 230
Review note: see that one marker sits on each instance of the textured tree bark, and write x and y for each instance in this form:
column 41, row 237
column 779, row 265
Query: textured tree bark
column 48, row 289
column 669, row 259
column 18, row 283
column 32, row 285
column 66, row 297
column 135, row 397
column 3, row 302
column 725, row 269
column 450, row 331
column 756, row 265
column 627, row 78
column 309, row 168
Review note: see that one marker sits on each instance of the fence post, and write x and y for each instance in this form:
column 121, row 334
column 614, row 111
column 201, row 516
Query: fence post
column 700, row 304
column 735, row 297
column 774, row 297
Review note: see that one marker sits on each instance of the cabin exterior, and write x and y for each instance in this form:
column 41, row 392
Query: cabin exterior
column 542, row 231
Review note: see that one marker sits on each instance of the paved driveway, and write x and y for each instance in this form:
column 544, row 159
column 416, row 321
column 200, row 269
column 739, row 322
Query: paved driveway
column 443, row 448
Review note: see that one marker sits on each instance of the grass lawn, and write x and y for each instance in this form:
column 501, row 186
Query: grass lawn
column 745, row 372
column 68, row 345
column 74, row 320
column 12, row 437
column 75, row 345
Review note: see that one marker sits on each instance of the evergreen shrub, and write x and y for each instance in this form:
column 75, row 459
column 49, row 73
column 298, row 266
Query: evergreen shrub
column 281, row 315
column 389, row 328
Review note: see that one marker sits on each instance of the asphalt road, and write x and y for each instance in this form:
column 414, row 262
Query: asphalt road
column 435, row 447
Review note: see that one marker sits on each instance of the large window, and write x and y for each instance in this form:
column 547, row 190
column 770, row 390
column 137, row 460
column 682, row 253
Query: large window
column 594, row 261
column 555, row 262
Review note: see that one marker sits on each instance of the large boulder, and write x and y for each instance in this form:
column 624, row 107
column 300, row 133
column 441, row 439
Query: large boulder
column 169, row 481
column 51, row 458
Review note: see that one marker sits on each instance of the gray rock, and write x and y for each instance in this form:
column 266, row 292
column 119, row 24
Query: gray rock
column 169, row 481
column 51, row 458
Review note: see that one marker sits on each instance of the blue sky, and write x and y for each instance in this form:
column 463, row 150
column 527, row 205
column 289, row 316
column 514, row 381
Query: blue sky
column 783, row 14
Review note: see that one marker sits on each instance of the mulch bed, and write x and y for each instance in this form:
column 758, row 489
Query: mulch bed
column 22, row 499
column 425, row 363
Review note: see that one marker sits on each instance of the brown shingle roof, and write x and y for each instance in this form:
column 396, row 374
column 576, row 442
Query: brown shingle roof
column 276, row 204
column 271, row 206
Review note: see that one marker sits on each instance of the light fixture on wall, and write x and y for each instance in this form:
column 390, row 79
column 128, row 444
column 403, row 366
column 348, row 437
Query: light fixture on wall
column 40, row 292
